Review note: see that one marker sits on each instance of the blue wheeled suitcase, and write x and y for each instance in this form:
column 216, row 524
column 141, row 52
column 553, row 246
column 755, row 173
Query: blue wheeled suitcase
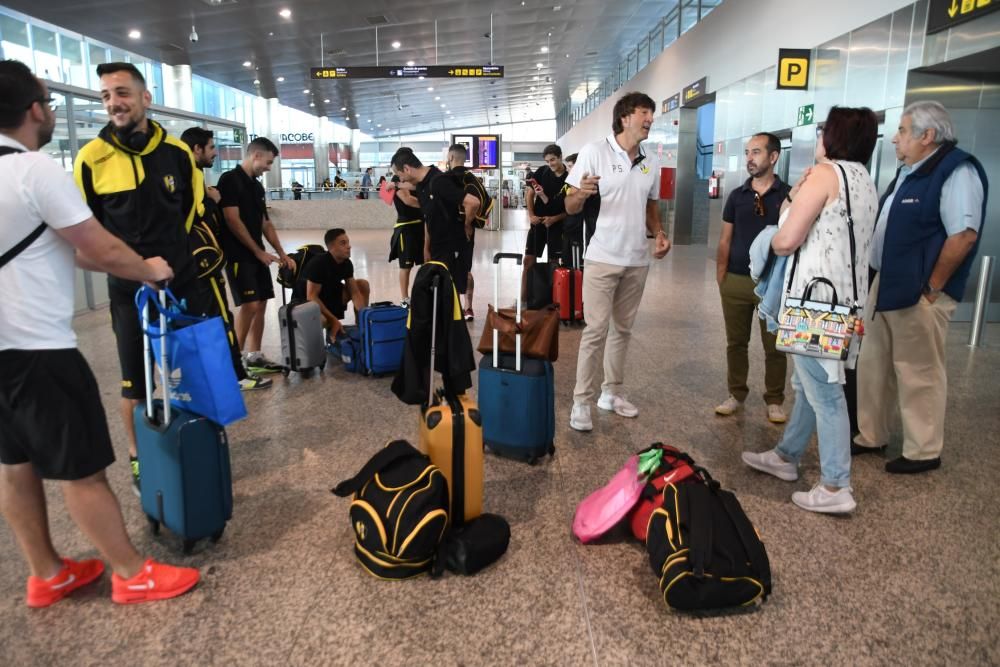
column 383, row 333
column 516, row 396
column 185, row 479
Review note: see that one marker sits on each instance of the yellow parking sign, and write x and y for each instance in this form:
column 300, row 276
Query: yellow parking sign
column 793, row 69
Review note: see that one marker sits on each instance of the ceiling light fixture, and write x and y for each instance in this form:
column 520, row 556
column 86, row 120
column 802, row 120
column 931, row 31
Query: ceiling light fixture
column 443, row 105
column 437, row 98
column 420, row 78
column 545, row 49
column 134, row 34
column 409, row 63
column 247, row 63
column 280, row 79
column 357, row 115
column 285, row 13
column 326, row 101
column 430, row 89
column 534, row 78
column 305, row 92
column 539, row 65
column 256, row 82
column 396, row 45
column 343, row 108
column 312, row 104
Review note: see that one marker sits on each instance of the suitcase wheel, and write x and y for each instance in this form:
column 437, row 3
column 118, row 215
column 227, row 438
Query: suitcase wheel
column 218, row 536
column 188, row 546
column 154, row 525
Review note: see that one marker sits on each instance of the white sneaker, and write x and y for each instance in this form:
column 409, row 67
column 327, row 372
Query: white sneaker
column 775, row 414
column 579, row 418
column 728, row 406
column 772, row 464
column 618, row 404
column 820, row 499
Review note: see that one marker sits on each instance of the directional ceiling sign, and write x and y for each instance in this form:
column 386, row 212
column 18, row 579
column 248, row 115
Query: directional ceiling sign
column 944, row 14
column 409, row 72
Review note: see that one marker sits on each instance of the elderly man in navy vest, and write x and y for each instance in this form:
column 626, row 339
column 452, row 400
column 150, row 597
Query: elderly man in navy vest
column 925, row 241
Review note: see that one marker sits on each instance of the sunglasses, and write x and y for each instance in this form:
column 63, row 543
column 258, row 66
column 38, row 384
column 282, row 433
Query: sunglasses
column 758, row 205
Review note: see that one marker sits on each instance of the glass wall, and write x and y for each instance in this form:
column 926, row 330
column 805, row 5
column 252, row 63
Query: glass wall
column 681, row 18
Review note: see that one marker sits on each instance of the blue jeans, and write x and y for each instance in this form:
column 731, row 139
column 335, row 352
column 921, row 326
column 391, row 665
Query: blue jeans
column 819, row 406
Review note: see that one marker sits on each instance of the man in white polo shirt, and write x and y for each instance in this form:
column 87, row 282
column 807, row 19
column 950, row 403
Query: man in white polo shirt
column 617, row 260
column 54, row 426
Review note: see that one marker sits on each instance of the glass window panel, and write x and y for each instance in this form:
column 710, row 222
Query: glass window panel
column 47, row 63
column 643, row 53
column 117, row 56
column 689, row 15
column 73, row 68
column 14, row 36
column 98, row 54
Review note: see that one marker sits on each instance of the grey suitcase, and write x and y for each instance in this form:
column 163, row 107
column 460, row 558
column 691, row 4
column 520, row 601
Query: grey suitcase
column 302, row 345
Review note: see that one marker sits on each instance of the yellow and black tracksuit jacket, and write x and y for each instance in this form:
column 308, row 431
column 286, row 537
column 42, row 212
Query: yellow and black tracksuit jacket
column 149, row 198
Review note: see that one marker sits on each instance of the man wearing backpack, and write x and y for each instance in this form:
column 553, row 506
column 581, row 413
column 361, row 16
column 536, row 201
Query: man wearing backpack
column 206, row 234
column 448, row 233
column 457, row 155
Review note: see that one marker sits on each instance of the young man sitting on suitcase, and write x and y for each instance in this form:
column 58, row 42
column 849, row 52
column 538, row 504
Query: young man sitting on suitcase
column 330, row 283
column 54, row 426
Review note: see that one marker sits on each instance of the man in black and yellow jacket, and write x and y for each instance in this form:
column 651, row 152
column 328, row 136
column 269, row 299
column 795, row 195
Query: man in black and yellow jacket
column 142, row 185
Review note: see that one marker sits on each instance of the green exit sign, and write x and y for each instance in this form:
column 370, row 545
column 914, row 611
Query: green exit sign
column 806, row 114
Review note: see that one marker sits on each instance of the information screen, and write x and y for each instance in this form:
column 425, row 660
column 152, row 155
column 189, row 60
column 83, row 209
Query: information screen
column 487, row 152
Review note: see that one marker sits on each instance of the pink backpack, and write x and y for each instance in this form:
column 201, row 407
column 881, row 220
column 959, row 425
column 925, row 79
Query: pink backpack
column 603, row 509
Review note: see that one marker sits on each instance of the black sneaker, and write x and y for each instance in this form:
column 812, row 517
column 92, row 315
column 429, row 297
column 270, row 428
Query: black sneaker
column 134, row 466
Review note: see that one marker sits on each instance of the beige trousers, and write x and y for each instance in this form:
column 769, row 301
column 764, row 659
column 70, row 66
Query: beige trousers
column 902, row 366
column 611, row 296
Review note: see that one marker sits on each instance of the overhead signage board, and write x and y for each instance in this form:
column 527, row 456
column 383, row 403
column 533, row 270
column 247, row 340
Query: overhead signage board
column 695, row 90
column 944, row 14
column 793, row 69
column 671, row 103
column 409, row 72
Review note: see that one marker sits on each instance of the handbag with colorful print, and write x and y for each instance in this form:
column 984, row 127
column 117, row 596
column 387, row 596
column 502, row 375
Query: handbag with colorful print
column 818, row 328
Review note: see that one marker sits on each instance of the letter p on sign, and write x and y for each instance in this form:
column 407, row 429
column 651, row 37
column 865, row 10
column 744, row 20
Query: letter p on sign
column 793, row 69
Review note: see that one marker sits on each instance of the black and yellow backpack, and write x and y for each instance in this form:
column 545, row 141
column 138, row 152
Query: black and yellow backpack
column 399, row 513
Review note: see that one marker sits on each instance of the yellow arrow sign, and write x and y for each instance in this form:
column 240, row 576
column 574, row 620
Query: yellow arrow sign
column 953, row 9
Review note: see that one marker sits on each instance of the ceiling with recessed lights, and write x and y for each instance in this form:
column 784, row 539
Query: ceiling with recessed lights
column 548, row 50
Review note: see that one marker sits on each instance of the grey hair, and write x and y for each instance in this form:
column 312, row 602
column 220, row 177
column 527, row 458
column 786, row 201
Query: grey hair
column 926, row 115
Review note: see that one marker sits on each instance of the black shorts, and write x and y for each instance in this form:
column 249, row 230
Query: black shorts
column 128, row 334
column 249, row 280
column 539, row 236
column 52, row 416
column 459, row 263
column 410, row 245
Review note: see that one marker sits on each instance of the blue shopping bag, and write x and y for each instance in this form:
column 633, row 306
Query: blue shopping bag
column 202, row 378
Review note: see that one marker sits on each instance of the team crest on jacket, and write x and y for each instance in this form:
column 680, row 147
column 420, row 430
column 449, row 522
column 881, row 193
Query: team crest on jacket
column 168, row 181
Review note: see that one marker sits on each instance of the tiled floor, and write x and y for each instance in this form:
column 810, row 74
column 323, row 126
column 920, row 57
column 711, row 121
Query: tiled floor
column 911, row 578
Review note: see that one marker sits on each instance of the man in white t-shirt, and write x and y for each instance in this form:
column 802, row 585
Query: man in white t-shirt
column 617, row 260
column 54, row 426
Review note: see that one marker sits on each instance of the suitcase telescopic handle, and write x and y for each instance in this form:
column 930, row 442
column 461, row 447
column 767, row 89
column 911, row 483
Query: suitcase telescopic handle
column 508, row 255
column 147, row 359
column 435, row 282
column 517, row 308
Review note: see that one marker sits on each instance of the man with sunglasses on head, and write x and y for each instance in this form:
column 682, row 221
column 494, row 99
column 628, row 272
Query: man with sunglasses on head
column 749, row 209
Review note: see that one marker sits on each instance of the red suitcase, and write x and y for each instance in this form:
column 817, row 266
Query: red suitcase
column 567, row 288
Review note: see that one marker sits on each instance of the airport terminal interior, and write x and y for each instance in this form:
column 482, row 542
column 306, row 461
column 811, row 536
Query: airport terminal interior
column 910, row 577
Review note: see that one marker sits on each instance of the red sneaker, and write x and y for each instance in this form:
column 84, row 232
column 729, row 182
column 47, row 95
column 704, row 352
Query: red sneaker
column 43, row 592
column 155, row 581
